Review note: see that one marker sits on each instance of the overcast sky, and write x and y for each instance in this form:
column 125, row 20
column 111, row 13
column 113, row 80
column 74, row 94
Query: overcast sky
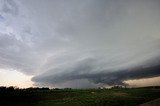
column 80, row 43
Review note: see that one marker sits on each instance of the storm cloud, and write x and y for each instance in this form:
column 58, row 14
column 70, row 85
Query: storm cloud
column 91, row 42
column 88, row 72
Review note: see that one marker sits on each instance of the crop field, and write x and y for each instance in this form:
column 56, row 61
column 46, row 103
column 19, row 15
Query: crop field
column 79, row 97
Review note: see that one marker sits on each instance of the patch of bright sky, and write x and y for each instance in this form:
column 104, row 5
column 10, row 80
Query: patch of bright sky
column 155, row 81
column 14, row 78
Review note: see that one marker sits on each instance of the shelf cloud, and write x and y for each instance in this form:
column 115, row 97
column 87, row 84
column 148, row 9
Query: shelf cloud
column 92, row 42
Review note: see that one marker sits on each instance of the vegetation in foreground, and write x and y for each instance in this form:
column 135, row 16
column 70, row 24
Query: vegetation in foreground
column 77, row 97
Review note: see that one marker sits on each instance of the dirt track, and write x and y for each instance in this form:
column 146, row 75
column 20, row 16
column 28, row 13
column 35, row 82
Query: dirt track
column 155, row 102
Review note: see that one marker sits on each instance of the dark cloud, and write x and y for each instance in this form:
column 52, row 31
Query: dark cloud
column 1, row 18
column 10, row 7
column 83, row 72
column 117, row 78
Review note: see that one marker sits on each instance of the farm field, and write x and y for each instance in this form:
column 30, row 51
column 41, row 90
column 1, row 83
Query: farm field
column 79, row 97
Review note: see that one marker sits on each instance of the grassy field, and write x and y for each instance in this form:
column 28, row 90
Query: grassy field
column 79, row 97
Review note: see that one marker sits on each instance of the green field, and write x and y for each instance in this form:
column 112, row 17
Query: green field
column 79, row 97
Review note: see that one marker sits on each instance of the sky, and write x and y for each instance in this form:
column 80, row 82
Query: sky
column 79, row 43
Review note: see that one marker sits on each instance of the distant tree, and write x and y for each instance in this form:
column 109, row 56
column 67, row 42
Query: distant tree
column 117, row 86
column 67, row 88
column 2, row 88
column 44, row 88
column 56, row 89
column 11, row 88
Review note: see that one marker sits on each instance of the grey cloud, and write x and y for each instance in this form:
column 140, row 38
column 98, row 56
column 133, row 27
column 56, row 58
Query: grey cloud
column 110, row 78
column 14, row 54
column 57, row 41
column 87, row 71
column 10, row 7
column 1, row 18
column 117, row 78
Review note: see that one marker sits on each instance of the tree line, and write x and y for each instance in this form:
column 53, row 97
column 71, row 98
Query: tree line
column 13, row 88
